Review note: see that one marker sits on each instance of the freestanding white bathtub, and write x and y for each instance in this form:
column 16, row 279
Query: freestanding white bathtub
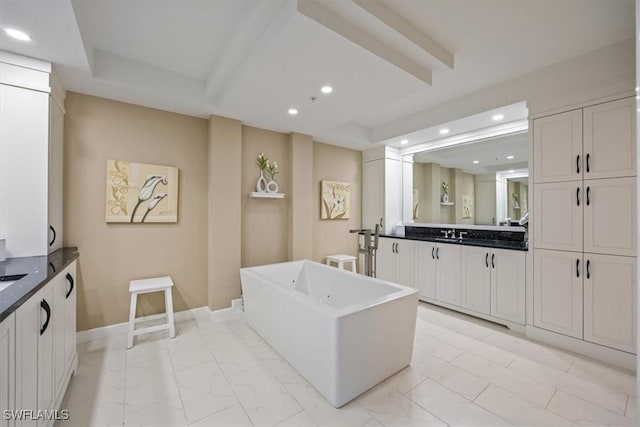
column 342, row 331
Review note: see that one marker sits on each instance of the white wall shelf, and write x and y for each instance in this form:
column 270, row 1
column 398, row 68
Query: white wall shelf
column 259, row 195
column 446, row 203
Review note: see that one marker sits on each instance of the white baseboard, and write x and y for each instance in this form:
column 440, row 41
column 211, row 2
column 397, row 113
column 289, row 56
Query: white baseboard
column 123, row 328
column 618, row 358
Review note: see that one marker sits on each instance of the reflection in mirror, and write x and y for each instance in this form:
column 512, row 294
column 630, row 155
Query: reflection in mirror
column 483, row 182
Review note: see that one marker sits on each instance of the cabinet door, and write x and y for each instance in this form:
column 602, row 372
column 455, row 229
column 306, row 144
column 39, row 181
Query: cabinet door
column 404, row 262
column 610, row 301
column 7, row 367
column 56, row 124
column 45, row 352
column 448, row 273
column 386, row 259
column 70, row 315
column 557, row 291
column 558, row 216
column 610, row 139
column 610, row 216
column 557, row 147
column 508, row 276
column 425, row 269
column 27, row 336
column 57, row 326
column 24, row 135
column 372, row 193
column 476, row 278
column 392, row 194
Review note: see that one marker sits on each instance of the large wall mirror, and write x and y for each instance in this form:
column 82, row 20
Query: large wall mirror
column 482, row 182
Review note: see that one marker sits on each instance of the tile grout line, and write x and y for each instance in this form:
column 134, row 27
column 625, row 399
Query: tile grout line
column 555, row 390
column 485, row 389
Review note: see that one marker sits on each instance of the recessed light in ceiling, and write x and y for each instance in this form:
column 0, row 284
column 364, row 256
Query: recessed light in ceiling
column 17, row 34
column 444, row 131
column 404, row 142
column 497, row 117
column 293, row 111
column 511, row 171
column 326, row 89
column 509, row 157
column 475, row 162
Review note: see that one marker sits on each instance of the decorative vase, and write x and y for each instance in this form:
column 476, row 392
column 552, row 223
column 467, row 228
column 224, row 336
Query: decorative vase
column 262, row 185
column 272, row 187
column 445, row 198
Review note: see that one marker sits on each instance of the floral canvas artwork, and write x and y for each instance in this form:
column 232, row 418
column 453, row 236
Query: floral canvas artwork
column 336, row 200
column 141, row 193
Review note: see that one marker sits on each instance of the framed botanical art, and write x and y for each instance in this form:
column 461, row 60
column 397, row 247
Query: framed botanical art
column 335, row 200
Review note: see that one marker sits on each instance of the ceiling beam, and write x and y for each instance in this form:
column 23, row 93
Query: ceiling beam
column 327, row 18
column 412, row 33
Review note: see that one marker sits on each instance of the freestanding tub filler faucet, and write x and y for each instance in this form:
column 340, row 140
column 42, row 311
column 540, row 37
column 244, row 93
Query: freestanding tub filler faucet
column 368, row 246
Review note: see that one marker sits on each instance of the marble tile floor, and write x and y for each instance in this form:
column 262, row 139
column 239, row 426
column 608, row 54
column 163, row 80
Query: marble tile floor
column 464, row 372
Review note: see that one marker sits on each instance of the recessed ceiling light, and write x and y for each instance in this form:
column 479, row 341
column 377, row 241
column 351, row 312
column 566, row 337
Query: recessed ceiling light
column 475, row 162
column 326, row 89
column 444, row 131
column 404, row 142
column 497, row 117
column 17, row 34
column 511, row 171
column 509, row 157
column 293, row 111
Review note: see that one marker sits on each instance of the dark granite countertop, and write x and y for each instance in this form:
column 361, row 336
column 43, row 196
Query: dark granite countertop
column 485, row 243
column 39, row 271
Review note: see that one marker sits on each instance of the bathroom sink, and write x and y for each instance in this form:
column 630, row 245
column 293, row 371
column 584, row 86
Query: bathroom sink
column 6, row 281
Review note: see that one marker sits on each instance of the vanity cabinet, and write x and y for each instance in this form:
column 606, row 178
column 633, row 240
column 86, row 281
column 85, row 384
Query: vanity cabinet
column 8, row 366
column 34, row 354
column 437, row 271
column 45, row 345
column 395, row 261
column 31, row 143
column 493, row 282
column 557, row 144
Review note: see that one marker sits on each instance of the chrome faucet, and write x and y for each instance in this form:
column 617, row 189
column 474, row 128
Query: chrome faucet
column 368, row 247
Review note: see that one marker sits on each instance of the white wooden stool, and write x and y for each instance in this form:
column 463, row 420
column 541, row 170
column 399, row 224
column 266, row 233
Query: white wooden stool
column 341, row 260
column 144, row 286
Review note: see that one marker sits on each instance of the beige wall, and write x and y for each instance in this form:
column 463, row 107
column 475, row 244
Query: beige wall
column 336, row 164
column 265, row 222
column 113, row 254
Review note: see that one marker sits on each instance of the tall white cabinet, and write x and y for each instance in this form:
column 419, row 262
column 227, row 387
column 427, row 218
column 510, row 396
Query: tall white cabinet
column 584, row 216
column 382, row 188
column 31, row 139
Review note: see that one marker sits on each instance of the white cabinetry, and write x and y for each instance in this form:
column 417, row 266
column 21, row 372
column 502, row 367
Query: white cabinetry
column 557, row 291
column 64, row 324
column 395, row 261
column 448, row 273
column 508, row 285
column 8, row 366
column 382, row 189
column 437, row 271
column 491, row 202
column 476, row 279
column 584, row 216
column 425, row 269
column 493, row 282
column 609, row 145
column 45, row 352
column 610, row 301
column 30, row 157
column 34, row 354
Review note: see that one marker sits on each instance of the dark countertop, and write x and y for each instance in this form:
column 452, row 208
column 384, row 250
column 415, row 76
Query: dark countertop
column 485, row 243
column 39, row 271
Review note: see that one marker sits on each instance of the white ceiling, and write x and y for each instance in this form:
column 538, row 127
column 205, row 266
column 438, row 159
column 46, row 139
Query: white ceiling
column 254, row 59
